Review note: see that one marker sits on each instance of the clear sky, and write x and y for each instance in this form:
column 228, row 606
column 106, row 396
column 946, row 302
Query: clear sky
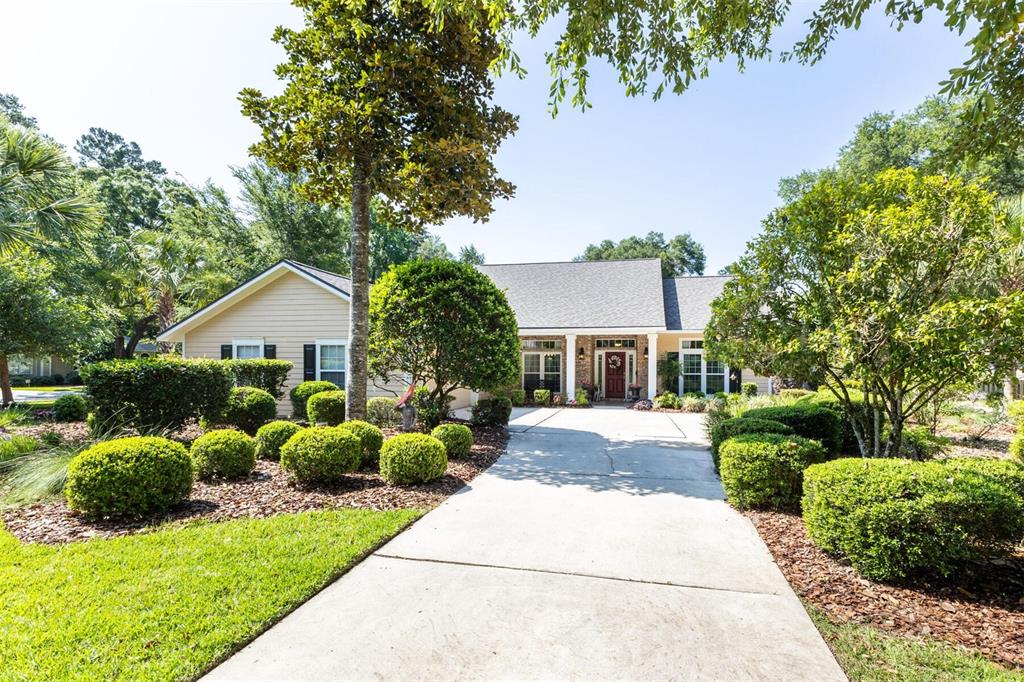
column 166, row 74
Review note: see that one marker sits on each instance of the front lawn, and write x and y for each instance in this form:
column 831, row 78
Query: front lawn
column 171, row 603
column 55, row 389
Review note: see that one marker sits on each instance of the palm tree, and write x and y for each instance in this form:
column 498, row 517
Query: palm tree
column 1012, row 250
column 38, row 198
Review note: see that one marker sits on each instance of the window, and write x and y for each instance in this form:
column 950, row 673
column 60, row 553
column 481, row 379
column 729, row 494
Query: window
column 19, row 364
column 692, row 363
column 247, row 349
column 693, row 343
column 714, row 380
column 542, row 370
column 700, row 375
column 615, row 343
column 330, row 362
column 547, row 344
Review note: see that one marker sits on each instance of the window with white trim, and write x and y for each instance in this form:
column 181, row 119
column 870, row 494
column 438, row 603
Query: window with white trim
column 699, row 374
column 615, row 343
column 331, row 361
column 542, row 370
column 246, row 349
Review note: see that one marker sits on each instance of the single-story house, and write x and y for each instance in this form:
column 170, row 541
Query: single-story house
column 604, row 323
column 23, row 367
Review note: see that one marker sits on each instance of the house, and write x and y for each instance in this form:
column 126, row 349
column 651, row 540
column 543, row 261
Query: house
column 26, row 370
column 605, row 323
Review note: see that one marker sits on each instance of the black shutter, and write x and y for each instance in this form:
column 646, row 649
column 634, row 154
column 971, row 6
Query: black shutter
column 270, row 351
column 309, row 362
column 735, row 380
column 226, row 351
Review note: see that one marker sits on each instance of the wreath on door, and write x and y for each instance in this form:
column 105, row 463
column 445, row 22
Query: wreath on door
column 615, row 361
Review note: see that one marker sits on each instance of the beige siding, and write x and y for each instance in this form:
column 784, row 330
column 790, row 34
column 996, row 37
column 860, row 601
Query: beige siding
column 288, row 312
column 762, row 382
column 670, row 342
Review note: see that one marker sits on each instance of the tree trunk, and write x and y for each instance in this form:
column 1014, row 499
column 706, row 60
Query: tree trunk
column 166, row 312
column 138, row 329
column 119, row 347
column 355, row 402
column 6, row 394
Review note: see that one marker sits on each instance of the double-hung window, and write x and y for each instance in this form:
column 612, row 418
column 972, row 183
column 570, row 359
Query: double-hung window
column 542, row 370
column 330, row 361
column 246, row 349
column 700, row 374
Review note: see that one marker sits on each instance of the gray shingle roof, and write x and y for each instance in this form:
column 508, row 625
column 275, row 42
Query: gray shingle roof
column 589, row 294
column 342, row 284
column 688, row 301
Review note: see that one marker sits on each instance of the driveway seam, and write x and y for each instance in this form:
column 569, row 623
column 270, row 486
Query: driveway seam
column 614, row 474
column 574, row 574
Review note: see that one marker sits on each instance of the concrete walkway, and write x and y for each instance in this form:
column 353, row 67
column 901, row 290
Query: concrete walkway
column 598, row 547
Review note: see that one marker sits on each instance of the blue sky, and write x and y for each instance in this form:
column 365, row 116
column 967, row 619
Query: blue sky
column 166, row 74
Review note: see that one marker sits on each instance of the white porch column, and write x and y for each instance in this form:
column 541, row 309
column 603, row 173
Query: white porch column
column 570, row 367
column 652, row 365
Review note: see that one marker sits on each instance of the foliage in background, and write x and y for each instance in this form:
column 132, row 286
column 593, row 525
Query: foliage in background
column 681, row 255
column 268, row 375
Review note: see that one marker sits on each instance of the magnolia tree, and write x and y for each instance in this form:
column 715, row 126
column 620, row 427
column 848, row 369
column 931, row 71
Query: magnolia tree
column 444, row 324
column 892, row 282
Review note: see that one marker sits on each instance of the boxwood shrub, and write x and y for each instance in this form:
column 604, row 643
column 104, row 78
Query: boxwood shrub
column 541, row 396
column 412, row 458
column 517, row 396
column 129, row 477
column 249, row 408
column 892, row 518
column 270, row 437
column 268, row 375
column 740, row 425
column 321, row 454
column 1017, row 445
column 381, row 412
column 327, row 407
column 156, row 393
column 765, row 470
column 300, row 395
column 224, row 453
column 370, row 439
column 492, row 412
column 808, row 420
column 457, row 439
column 70, row 407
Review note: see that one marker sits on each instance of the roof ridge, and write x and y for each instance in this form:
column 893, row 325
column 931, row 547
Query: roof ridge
column 701, row 277
column 573, row 262
column 313, row 267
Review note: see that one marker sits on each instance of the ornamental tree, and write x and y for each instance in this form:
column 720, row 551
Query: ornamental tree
column 890, row 282
column 381, row 105
column 446, row 325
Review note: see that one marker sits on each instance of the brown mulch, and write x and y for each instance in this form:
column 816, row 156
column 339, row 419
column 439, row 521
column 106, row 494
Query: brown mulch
column 74, row 432
column 265, row 492
column 981, row 609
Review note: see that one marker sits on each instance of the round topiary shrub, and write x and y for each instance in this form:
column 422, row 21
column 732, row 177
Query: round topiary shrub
column 270, row 437
column 740, row 425
column 321, row 454
column 492, row 412
column 225, row 453
column 370, row 439
column 129, row 477
column 70, row 407
column 765, row 470
column 301, row 394
column 457, row 439
column 808, row 420
column 327, row 407
column 412, row 458
column 381, row 412
column 891, row 518
column 249, row 408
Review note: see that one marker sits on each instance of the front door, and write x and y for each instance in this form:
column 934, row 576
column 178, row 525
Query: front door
column 615, row 375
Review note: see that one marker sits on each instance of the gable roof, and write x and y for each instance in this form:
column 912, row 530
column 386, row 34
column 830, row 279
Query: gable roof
column 612, row 294
column 688, row 301
column 334, row 283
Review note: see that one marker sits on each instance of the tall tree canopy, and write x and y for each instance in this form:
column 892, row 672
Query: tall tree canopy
column 111, row 152
column 470, row 254
column 378, row 106
column 681, row 255
column 14, row 110
column 892, row 282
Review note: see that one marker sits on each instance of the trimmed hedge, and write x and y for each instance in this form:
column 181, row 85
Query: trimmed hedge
column 740, row 425
column 765, row 470
column 249, row 408
column 321, row 454
column 891, row 518
column 156, row 393
column 326, row 407
column 268, row 375
column 70, row 407
column 749, row 389
column 129, row 477
column 808, row 420
column 1007, row 472
column 224, row 453
column 412, row 458
column 517, row 396
column 301, row 394
column 370, row 439
column 457, row 439
column 381, row 412
column 541, row 396
column 492, row 412
column 270, row 437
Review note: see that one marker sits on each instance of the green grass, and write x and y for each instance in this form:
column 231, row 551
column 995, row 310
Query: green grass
column 869, row 655
column 171, row 603
column 49, row 388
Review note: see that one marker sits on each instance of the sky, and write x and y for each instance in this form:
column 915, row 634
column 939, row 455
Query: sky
column 166, row 74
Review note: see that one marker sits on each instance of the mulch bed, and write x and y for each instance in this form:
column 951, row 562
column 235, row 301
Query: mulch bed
column 981, row 609
column 265, row 492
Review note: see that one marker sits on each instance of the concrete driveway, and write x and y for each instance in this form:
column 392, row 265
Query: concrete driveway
column 598, row 547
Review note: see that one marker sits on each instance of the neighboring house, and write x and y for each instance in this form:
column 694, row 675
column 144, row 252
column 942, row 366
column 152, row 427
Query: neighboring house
column 24, row 367
column 605, row 323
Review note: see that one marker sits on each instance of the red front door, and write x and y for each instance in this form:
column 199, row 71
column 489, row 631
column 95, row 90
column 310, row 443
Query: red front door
column 615, row 375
